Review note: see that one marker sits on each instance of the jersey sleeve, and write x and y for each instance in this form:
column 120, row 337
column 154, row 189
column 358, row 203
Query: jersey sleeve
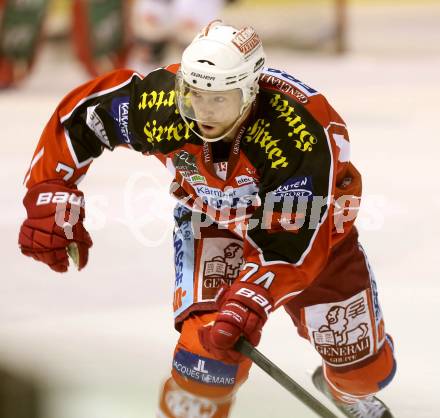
column 290, row 235
column 93, row 117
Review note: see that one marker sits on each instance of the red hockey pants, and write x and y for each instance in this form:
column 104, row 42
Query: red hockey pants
column 339, row 313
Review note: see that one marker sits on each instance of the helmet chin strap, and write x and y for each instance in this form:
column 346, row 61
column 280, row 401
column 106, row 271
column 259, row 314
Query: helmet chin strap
column 236, row 124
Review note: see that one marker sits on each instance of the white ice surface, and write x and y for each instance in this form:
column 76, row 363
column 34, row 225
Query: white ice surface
column 101, row 340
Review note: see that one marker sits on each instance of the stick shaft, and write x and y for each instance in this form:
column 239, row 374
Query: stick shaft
column 246, row 348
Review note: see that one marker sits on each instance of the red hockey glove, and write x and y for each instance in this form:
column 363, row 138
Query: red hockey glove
column 243, row 309
column 55, row 218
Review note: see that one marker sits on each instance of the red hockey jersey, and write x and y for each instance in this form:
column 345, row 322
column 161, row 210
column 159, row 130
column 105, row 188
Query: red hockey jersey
column 289, row 189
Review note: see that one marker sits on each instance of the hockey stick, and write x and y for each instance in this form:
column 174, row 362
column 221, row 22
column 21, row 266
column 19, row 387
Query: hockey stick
column 73, row 253
column 246, row 348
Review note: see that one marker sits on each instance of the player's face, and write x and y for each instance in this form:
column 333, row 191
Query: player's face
column 216, row 112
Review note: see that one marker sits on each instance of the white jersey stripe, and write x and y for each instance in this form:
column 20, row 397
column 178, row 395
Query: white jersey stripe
column 97, row 94
column 33, row 162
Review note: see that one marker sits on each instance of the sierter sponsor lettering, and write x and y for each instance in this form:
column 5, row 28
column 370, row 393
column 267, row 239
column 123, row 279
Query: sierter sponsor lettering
column 156, row 133
column 156, row 99
column 304, row 139
column 259, row 133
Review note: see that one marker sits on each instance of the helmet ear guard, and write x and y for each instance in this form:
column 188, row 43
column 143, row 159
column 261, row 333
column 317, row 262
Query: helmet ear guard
column 222, row 58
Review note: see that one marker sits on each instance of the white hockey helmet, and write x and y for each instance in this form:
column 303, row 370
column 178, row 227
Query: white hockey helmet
column 219, row 59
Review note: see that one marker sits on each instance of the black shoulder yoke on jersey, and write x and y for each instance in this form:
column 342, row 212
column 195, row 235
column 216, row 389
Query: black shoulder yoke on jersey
column 291, row 151
column 155, row 119
column 141, row 114
column 283, row 142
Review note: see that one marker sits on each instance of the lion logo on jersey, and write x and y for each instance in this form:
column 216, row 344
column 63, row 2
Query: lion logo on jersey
column 233, row 259
column 338, row 323
column 227, row 265
column 222, row 269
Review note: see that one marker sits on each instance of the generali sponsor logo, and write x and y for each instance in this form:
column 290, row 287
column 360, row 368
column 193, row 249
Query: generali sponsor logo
column 344, row 333
column 274, row 82
column 309, row 91
column 221, row 269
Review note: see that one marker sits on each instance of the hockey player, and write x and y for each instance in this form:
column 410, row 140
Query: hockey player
column 267, row 198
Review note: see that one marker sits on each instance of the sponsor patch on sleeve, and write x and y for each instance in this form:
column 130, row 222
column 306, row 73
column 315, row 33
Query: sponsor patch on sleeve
column 94, row 122
column 309, row 91
column 119, row 112
column 204, row 370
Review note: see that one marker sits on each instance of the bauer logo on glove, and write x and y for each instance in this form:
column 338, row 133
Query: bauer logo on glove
column 54, row 226
column 243, row 310
column 59, row 197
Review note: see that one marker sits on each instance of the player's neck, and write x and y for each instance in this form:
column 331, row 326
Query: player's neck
column 238, row 124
